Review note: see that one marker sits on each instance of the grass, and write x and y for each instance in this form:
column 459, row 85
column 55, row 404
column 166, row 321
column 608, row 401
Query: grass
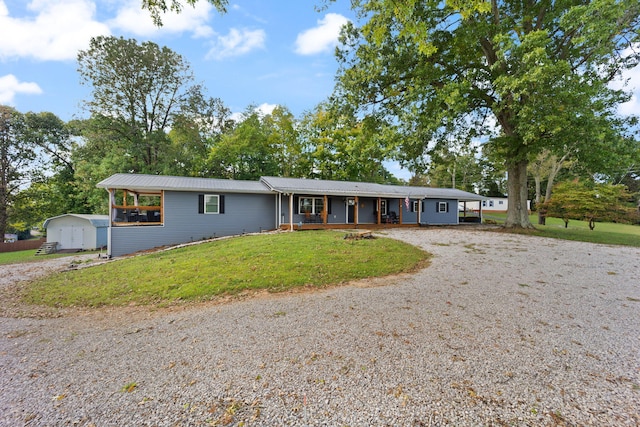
column 28, row 256
column 276, row 262
column 605, row 232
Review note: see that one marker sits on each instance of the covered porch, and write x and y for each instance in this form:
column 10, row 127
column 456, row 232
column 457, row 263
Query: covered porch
column 306, row 211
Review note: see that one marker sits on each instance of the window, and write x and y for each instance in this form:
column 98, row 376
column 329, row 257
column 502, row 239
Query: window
column 490, row 203
column 484, row 203
column 501, row 202
column 383, row 207
column 443, row 207
column 415, row 207
column 312, row 205
column 210, row 204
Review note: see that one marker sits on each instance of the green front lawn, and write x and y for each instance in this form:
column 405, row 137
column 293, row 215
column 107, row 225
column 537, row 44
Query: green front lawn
column 27, row 256
column 604, row 232
column 275, row 262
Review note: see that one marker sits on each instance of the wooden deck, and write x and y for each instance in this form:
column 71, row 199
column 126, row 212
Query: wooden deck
column 316, row 226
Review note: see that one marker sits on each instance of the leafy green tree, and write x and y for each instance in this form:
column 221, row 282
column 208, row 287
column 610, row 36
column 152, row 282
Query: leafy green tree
column 137, row 92
column 282, row 133
column 158, row 7
column 455, row 168
column 52, row 188
column 196, row 130
column 344, row 147
column 523, row 75
column 16, row 156
column 582, row 200
column 245, row 152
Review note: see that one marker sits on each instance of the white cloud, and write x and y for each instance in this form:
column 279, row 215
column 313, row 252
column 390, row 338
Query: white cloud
column 633, row 86
column 236, row 43
column 266, row 109
column 321, row 38
column 131, row 18
column 56, row 30
column 10, row 86
column 630, row 82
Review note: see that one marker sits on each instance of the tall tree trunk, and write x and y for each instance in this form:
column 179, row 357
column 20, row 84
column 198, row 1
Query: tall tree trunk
column 517, row 213
column 542, row 218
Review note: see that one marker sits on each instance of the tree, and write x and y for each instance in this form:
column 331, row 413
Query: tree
column 546, row 165
column 196, row 130
column 455, row 168
column 522, row 75
column 592, row 202
column 282, row 133
column 158, row 7
column 16, row 156
column 244, row 152
column 137, row 92
column 344, row 147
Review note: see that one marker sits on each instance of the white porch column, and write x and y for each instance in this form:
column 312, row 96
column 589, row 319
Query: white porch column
column 291, row 212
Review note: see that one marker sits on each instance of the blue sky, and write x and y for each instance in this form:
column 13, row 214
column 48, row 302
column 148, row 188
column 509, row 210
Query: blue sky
column 263, row 53
column 260, row 52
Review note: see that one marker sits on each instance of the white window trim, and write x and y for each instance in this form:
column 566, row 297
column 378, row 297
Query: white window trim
column 314, row 206
column 206, row 205
column 442, row 207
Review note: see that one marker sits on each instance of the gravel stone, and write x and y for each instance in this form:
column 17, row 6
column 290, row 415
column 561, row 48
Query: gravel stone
column 500, row 329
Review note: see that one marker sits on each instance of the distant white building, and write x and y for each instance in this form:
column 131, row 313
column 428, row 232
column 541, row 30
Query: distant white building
column 493, row 204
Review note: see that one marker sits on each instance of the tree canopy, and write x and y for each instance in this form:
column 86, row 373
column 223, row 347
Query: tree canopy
column 158, row 7
column 582, row 200
column 521, row 76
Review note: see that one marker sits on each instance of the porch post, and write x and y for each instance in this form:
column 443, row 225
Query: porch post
column 419, row 210
column 291, row 212
column 399, row 211
column 325, row 211
column 379, row 205
column 355, row 212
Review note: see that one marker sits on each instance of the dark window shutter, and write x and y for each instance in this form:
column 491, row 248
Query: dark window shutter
column 200, row 203
column 411, row 204
column 447, row 206
column 423, row 203
column 296, row 204
column 437, row 206
column 329, row 205
column 221, row 201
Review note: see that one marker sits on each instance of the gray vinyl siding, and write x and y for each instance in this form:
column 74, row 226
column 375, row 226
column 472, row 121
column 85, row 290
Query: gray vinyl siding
column 336, row 216
column 243, row 213
column 433, row 217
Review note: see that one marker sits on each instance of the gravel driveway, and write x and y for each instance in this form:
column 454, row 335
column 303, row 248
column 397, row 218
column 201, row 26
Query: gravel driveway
column 501, row 329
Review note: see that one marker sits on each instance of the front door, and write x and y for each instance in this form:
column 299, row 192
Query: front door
column 351, row 211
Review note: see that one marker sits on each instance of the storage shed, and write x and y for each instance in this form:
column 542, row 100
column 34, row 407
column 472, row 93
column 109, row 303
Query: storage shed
column 77, row 231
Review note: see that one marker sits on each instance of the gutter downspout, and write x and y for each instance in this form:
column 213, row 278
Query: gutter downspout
column 278, row 209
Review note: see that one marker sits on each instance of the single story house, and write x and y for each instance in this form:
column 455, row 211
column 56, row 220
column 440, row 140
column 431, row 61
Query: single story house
column 148, row 211
column 78, row 231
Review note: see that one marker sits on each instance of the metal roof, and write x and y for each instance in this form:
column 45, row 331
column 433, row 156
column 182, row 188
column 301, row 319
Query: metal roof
column 97, row 221
column 363, row 189
column 141, row 183
column 268, row 184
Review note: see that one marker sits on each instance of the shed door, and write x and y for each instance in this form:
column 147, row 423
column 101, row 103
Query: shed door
column 71, row 237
